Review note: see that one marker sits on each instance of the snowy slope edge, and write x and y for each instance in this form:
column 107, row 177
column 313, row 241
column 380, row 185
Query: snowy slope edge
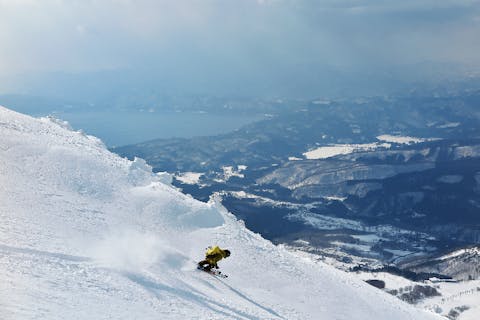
column 86, row 234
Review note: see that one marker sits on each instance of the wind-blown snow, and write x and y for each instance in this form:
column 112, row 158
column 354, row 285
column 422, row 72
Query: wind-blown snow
column 85, row 234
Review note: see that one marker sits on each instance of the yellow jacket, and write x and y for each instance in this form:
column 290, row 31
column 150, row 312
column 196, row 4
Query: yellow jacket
column 215, row 254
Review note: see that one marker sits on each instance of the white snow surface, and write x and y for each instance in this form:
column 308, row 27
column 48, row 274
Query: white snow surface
column 338, row 149
column 453, row 294
column 189, row 177
column 457, row 253
column 85, row 234
column 403, row 139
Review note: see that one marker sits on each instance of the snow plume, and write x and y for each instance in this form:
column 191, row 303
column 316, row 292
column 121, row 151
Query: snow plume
column 134, row 251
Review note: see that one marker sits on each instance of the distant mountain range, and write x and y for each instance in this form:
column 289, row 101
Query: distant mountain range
column 377, row 180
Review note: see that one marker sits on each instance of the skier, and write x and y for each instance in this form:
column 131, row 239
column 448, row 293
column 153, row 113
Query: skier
column 212, row 256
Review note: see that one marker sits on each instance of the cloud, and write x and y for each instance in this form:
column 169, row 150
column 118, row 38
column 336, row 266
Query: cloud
column 217, row 41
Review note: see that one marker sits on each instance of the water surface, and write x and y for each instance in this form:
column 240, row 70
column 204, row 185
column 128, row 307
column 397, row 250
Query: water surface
column 122, row 128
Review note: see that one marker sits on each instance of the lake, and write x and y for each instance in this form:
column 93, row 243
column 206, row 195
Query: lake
column 122, row 128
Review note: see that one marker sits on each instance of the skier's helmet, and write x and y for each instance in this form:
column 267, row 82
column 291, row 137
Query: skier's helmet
column 227, row 253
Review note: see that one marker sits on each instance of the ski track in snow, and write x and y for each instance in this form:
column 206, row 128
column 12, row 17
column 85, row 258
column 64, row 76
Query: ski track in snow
column 85, row 234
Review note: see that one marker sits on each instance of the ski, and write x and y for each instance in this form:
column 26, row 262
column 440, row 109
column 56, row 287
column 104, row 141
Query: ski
column 215, row 273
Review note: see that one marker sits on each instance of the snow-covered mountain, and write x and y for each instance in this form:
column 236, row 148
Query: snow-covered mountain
column 85, row 234
column 462, row 264
column 388, row 179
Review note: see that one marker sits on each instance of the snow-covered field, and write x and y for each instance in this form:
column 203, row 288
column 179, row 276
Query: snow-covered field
column 85, row 234
column 403, row 139
column 229, row 172
column 189, row 177
column 461, row 297
column 338, row 149
column 325, row 152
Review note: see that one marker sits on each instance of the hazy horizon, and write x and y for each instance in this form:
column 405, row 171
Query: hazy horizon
column 295, row 48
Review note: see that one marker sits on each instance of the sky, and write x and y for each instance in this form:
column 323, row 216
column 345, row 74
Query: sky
column 227, row 45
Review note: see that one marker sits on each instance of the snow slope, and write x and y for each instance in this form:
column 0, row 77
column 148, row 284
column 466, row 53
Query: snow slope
column 85, row 234
column 462, row 296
